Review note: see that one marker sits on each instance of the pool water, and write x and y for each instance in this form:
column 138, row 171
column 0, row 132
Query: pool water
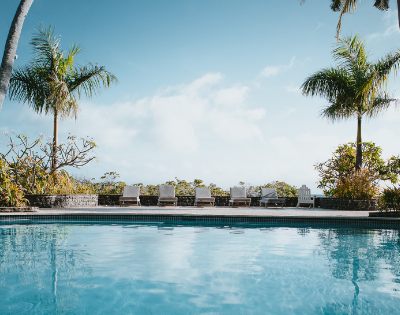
column 157, row 268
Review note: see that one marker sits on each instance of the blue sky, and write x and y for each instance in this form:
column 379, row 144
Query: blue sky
column 207, row 89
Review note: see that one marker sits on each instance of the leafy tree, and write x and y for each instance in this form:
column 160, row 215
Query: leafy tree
column 283, row 189
column 336, row 173
column 26, row 164
column 11, row 47
column 109, row 184
column 52, row 82
column 355, row 87
column 389, row 199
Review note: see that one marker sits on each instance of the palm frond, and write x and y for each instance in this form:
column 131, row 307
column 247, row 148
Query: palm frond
column 26, row 86
column 336, row 5
column 338, row 110
column 46, row 45
column 328, row 83
column 347, row 6
column 380, row 103
column 382, row 68
column 69, row 60
column 90, row 79
column 351, row 54
column 381, row 4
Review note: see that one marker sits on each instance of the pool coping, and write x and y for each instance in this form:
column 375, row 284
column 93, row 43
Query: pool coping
column 188, row 218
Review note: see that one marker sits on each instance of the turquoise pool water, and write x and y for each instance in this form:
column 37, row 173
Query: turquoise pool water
column 157, row 268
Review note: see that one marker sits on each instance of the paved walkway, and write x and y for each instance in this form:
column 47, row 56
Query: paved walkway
column 253, row 211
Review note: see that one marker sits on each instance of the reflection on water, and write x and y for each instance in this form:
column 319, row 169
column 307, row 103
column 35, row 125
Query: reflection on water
column 160, row 269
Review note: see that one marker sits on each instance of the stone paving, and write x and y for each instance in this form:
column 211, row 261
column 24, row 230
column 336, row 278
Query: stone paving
column 253, row 211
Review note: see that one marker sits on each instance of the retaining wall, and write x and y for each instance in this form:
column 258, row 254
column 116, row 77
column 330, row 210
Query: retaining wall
column 62, row 201
column 79, row 201
column 185, row 201
column 348, row 204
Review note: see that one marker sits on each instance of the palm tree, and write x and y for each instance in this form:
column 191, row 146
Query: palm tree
column 350, row 6
column 11, row 47
column 51, row 82
column 355, row 87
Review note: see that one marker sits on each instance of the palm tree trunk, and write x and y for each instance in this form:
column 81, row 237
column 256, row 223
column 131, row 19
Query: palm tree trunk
column 55, row 145
column 359, row 148
column 11, row 47
column 398, row 11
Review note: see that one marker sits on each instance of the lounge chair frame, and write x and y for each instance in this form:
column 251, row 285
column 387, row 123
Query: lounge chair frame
column 203, row 196
column 305, row 197
column 238, row 196
column 131, row 195
column 166, row 195
column 269, row 196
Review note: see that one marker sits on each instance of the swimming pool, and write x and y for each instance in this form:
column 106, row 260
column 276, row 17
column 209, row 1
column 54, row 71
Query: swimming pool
column 158, row 268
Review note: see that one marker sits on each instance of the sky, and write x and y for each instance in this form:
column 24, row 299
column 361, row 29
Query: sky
column 207, row 89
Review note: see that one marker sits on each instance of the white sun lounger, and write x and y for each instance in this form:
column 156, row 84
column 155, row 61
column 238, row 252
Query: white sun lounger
column 270, row 196
column 305, row 197
column 130, row 194
column 203, row 195
column 166, row 194
column 238, row 196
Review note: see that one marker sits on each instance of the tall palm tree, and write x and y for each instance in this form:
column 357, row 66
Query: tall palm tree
column 52, row 82
column 10, row 49
column 355, row 88
column 350, row 6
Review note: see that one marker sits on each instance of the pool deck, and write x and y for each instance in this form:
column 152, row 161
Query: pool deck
column 200, row 211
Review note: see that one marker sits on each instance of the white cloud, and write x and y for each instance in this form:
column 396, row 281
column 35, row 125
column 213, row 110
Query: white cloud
column 274, row 70
column 319, row 26
column 292, row 89
column 392, row 26
column 234, row 96
column 287, row 112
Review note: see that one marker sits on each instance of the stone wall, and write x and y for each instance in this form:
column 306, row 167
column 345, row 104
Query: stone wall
column 62, row 201
column 79, row 201
column 186, row 201
column 109, row 200
column 348, row 204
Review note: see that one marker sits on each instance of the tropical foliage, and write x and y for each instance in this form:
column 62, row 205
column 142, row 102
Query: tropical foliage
column 338, row 177
column 52, row 82
column 25, row 168
column 110, row 184
column 183, row 188
column 11, row 194
column 389, row 199
column 355, row 88
column 358, row 184
column 283, row 189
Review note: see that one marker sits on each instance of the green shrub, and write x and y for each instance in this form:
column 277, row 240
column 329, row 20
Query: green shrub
column 338, row 173
column 362, row 184
column 11, row 194
column 25, row 171
column 389, row 199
